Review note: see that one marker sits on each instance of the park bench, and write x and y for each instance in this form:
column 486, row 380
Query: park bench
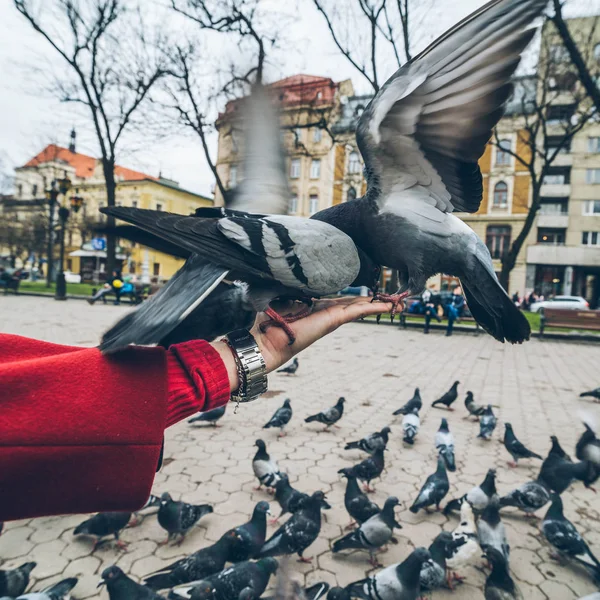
column 9, row 282
column 573, row 319
column 412, row 301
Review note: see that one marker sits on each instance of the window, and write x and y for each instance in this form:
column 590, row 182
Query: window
column 592, row 176
column 354, row 162
column 502, row 152
column 553, row 142
column 591, row 207
column 590, row 238
column 546, row 235
column 298, row 135
column 315, row 168
column 497, row 239
column 19, row 190
column 501, row 194
column 34, row 190
column 594, row 144
column 134, row 204
column 351, row 195
column 156, row 269
column 562, row 82
column 317, row 134
column 557, row 176
column 293, row 209
column 554, row 206
column 158, row 206
column 232, row 176
column 313, row 204
column 560, row 113
column 294, row 168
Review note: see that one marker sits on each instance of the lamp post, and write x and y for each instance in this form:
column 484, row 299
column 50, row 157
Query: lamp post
column 51, row 196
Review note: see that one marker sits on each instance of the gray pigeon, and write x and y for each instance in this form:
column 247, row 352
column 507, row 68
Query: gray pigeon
column 529, row 497
column 449, row 397
column 487, row 423
column 291, row 368
column 57, row 591
column 177, row 518
column 372, row 442
column 104, row 524
column 357, row 503
column 246, row 540
column 414, row 402
column 421, row 137
column 595, row 394
column 410, row 426
column 264, row 467
column 210, row 416
column 588, row 447
column 122, row 587
column 281, row 418
column 433, row 572
column 478, row 497
column 368, row 469
column 434, row 490
column 330, row 416
column 444, row 444
column 515, row 448
column 491, row 530
column 499, row 585
column 14, row 582
column 475, row 410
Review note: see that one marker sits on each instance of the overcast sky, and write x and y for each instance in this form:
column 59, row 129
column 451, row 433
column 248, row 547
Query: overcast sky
column 30, row 119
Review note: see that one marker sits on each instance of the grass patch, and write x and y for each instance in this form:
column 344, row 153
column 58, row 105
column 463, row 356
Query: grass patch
column 77, row 289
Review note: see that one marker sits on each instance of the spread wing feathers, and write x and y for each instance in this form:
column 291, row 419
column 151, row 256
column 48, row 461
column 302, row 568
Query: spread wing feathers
column 264, row 188
column 427, row 127
column 162, row 312
column 144, row 238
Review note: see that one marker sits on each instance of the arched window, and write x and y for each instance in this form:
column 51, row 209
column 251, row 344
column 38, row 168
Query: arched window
column 503, row 152
column 501, row 194
column 497, row 239
column 351, row 195
column 293, row 204
column 354, row 162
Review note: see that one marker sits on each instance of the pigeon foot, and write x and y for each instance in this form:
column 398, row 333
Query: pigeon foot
column 351, row 525
column 368, row 488
column 274, row 521
column 512, row 463
column 396, row 300
column 283, row 321
column 306, row 561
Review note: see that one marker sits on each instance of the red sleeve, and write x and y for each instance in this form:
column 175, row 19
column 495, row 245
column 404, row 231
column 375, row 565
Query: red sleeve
column 82, row 432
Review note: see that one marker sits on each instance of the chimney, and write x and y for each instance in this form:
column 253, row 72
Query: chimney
column 72, row 142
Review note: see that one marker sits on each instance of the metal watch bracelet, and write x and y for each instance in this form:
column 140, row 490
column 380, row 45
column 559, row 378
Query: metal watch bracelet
column 251, row 367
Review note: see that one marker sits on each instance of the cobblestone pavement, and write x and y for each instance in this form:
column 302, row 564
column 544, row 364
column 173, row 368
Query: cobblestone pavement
column 534, row 386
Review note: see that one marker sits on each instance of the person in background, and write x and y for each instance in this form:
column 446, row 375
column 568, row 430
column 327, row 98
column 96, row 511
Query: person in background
column 516, row 299
column 429, row 308
column 455, row 308
column 113, row 284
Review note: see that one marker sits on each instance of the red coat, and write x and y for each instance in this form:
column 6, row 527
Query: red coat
column 82, row 432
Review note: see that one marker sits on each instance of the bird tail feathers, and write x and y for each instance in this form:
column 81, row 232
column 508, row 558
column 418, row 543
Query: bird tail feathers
column 62, row 588
column 348, row 541
column 351, row 446
column 312, row 418
column 160, row 581
column 453, row 505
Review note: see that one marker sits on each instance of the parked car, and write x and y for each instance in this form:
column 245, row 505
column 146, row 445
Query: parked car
column 566, row 302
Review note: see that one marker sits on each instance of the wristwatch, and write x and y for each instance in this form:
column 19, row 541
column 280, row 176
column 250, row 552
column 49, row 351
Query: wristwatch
column 251, row 367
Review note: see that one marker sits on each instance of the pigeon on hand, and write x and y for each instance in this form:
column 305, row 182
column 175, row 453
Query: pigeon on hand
column 563, row 535
column 177, row 518
column 449, row 397
column 299, row 532
column 515, row 448
column 491, row 530
column 529, row 497
column 288, row 498
column 291, row 368
column 475, row 410
column 372, row 442
column 444, row 444
column 210, row 416
column 410, row 426
column 434, row 490
column 414, row 402
column 499, row 585
column 357, row 503
column 478, row 497
column 397, row 582
column 595, row 394
column 15, row 581
column 264, row 467
column 464, row 544
column 104, row 524
column 373, row 533
column 487, row 423
column 122, row 587
column 368, row 469
column 421, row 137
column 57, row 591
column 330, row 416
column 245, row 541
column 280, row 418
column 588, row 448
column 433, row 573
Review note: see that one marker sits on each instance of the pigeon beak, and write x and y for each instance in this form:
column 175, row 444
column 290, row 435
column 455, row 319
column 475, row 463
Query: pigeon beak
column 269, row 512
column 101, row 583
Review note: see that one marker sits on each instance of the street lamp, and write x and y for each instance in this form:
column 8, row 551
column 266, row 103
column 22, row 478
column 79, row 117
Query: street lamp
column 58, row 186
column 64, row 185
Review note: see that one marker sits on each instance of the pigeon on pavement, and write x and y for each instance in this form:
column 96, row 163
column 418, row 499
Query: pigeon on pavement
column 372, row 442
column 563, row 535
column 177, row 518
column 444, row 444
column 368, row 469
column 421, row 137
column 57, row 591
column 515, row 448
column 491, row 530
column 264, row 467
column 449, row 397
column 434, row 490
column 122, row 587
column 291, row 368
column 475, row 410
column 558, row 470
column 529, row 497
column 281, row 418
column 15, row 581
column 330, row 416
column 104, row 524
column 478, row 497
column 357, row 503
column 373, row 533
column 487, row 423
column 210, row 416
column 595, row 394
column 299, row 532
column 414, row 402
column 396, row 582
column 464, row 544
column 588, row 448
column 247, row 539
column 410, row 426
column 288, row 498
column 499, row 584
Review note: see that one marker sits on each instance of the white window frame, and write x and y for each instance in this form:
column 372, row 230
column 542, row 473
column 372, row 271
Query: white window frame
column 505, row 205
column 586, row 238
column 354, row 166
column 293, row 206
column 594, row 144
column 592, row 176
column 295, row 168
column 315, row 168
column 313, row 204
column 317, row 135
column 588, row 208
column 507, row 157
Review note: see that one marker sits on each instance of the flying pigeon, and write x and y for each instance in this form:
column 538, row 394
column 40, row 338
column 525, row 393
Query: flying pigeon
column 410, row 426
column 421, row 137
column 414, row 402
column 357, row 503
column 592, row 394
column 563, row 535
column 122, row 587
column 299, row 532
column 397, row 582
column 529, row 497
column 104, row 524
column 433, row 573
column 372, row 442
column 246, row 540
column 15, row 581
column 368, row 469
column 291, row 368
column 177, row 518
column 515, row 448
column 330, row 416
column 449, row 397
column 464, row 544
column 281, row 417
column 588, row 448
column 475, row 410
column 264, row 467
column 478, row 497
column 210, row 416
column 288, row 498
column 499, row 585
column 57, row 591
column 434, row 490
column 487, row 423
column 373, row 533
column 558, row 470
column 444, row 444
column 491, row 530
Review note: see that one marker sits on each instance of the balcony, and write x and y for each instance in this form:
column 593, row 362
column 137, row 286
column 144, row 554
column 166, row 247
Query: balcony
column 553, row 221
column 555, row 190
column 563, row 159
column 550, row 254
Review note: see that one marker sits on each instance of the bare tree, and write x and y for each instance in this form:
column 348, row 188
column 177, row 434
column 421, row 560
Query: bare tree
column 113, row 65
